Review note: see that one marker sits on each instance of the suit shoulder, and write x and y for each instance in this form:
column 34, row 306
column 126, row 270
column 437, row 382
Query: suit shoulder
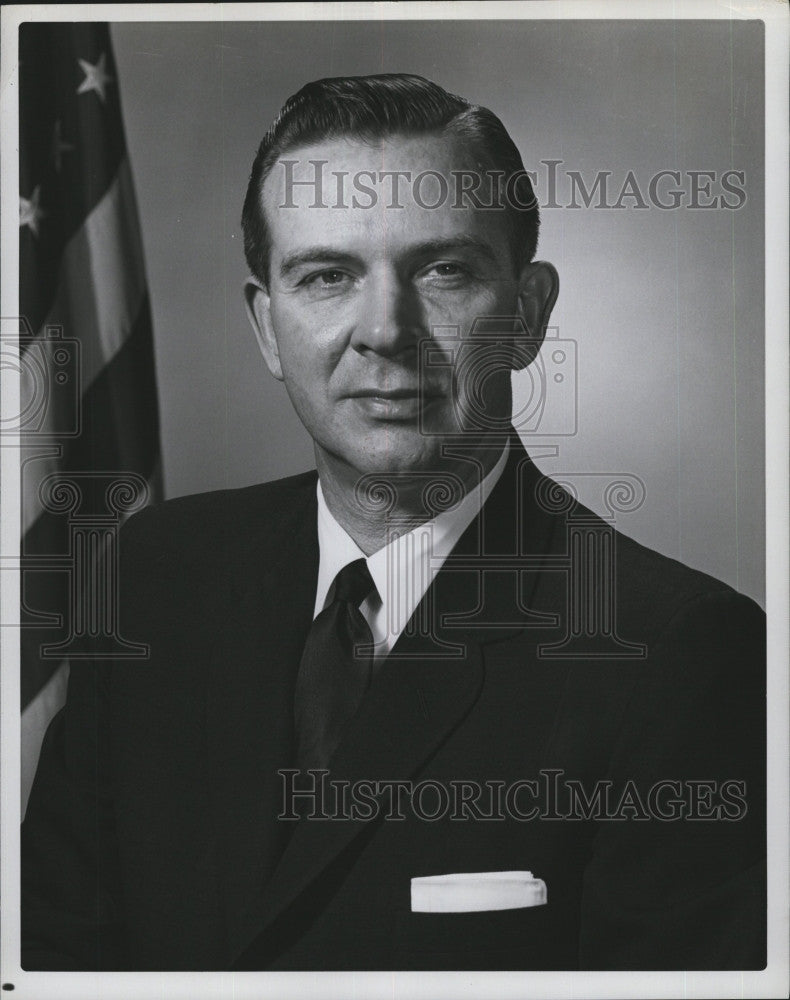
column 665, row 574
column 211, row 516
column 657, row 588
column 652, row 590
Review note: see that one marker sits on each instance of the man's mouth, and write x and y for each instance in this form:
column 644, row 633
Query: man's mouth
column 390, row 392
column 402, row 403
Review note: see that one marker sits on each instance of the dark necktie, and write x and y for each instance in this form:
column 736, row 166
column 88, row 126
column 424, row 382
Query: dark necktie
column 334, row 673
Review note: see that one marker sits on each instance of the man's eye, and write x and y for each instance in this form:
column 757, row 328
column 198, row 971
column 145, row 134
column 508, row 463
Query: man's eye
column 446, row 271
column 328, row 279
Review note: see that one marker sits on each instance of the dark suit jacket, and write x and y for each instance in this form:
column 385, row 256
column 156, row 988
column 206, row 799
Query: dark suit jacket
column 152, row 840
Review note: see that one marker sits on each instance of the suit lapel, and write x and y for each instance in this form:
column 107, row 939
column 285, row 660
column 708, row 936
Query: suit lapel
column 428, row 684
column 488, row 586
column 425, row 700
column 269, row 590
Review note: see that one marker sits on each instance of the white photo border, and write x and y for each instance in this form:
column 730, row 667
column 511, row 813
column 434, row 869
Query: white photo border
column 773, row 981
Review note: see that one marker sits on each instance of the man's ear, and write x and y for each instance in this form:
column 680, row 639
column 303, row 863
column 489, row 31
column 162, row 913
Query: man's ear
column 256, row 298
column 539, row 286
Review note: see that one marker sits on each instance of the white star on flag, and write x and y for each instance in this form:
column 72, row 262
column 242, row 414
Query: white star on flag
column 96, row 77
column 30, row 211
column 59, row 147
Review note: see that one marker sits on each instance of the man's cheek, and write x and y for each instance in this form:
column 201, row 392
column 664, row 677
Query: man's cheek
column 301, row 360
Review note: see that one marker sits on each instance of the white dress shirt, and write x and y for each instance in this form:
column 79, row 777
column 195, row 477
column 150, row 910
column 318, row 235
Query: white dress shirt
column 404, row 568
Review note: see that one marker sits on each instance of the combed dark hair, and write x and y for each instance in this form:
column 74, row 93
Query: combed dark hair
column 371, row 108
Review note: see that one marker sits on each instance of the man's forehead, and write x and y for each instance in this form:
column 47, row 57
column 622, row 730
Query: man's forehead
column 413, row 154
column 399, row 187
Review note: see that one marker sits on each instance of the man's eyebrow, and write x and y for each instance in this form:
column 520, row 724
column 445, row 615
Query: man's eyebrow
column 463, row 241
column 315, row 255
column 427, row 248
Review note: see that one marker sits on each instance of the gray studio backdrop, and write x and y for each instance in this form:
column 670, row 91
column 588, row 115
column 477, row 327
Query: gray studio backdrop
column 661, row 309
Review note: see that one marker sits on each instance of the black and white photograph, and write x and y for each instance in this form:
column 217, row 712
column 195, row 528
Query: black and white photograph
column 394, row 457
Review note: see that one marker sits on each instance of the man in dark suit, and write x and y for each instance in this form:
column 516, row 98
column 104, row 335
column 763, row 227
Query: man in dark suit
column 422, row 709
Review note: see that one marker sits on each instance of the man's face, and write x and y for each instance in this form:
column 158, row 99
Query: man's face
column 353, row 290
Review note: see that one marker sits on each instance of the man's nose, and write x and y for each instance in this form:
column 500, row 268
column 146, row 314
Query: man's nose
column 389, row 320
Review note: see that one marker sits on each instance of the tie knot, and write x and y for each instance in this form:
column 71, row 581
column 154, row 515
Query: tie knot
column 353, row 583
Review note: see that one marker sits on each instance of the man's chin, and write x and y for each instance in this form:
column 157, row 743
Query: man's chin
column 402, row 459
column 401, row 451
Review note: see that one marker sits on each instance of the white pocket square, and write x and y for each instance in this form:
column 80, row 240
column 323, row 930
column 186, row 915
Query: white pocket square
column 466, row 892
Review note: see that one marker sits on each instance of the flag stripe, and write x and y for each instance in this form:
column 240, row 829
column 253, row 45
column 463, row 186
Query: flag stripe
column 130, row 443
column 72, row 181
column 101, row 291
column 101, row 277
column 120, row 434
column 119, row 423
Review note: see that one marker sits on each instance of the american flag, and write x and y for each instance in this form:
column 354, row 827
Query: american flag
column 90, row 415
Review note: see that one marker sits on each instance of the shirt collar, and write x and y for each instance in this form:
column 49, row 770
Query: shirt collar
column 435, row 538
